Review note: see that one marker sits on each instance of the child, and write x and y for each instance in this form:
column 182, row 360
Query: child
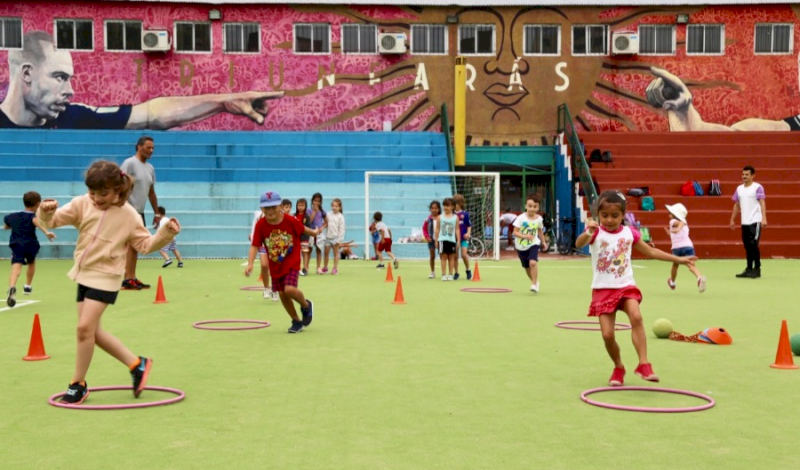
column 375, row 237
column 319, row 220
column 171, row 246
column 107, row 227
column 384, row 241
column 448, row 237
column 286, row 206
column 681, row 244
column 280, row 234
column 465, row 227
column 507, row 220
column 262, row 256
column 613, row 287
column 334, row 235
column 528, row 238
column 429, row 231
column 301, row 214
column 347, row 250
column 24, row 244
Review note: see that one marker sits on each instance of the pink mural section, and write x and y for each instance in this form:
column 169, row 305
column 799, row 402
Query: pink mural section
column 342, row 92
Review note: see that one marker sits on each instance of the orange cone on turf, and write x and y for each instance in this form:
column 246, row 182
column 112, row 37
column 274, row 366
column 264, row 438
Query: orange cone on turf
column 476, row 276
column 389, row 276
column 783, row 360
column 160, row 297
column 36, row 348
column 398, row 292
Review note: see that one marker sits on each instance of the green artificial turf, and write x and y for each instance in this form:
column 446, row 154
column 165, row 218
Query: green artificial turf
column 450, row 380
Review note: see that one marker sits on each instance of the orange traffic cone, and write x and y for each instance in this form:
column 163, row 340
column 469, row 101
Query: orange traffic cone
column 36, row 348
column 398, row 292
column 783, row 360
column 160, row 297
column 389, row 276
column 476, row 276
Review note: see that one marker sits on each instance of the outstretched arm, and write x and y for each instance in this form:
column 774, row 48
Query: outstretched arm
column 655, row 253
column 170, row 111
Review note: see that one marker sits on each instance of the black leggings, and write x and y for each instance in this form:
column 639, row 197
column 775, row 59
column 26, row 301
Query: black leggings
column 751, row 235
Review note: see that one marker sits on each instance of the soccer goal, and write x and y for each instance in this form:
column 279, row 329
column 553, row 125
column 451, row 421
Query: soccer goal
column 403, row 197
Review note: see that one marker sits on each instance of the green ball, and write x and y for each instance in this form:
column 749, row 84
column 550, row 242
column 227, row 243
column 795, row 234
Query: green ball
column 796, row 344
column 662, row 328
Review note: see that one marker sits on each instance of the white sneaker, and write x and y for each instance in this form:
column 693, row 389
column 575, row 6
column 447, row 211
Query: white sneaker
column 449, row 278
column 444, row 278
column 432, row 276
column 701, row 284
column 535, row 288
column 275, row 296
column 267, row 292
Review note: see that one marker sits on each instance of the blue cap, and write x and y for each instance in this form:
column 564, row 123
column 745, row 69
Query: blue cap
column 270, row 199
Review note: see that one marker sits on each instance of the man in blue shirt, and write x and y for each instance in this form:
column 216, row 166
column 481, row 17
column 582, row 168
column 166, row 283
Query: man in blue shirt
column 40, row 92
column 23, row 243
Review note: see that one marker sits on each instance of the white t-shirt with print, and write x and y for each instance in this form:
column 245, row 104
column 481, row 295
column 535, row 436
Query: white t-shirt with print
column 611, row 257
column 748, row 198
column 528, row 226
column 383, row 228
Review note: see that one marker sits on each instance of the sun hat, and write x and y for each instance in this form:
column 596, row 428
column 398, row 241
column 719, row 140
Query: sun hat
column 270, row 199
column 679, row 211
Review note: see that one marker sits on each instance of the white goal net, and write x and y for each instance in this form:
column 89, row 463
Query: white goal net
column 404, row 198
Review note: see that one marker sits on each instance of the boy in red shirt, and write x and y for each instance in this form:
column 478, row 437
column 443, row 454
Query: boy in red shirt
column 280, row 235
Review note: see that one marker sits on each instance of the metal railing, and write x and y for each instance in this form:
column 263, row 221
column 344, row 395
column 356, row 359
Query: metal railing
column 580, row 165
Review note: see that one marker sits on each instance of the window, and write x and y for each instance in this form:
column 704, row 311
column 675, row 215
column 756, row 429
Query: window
column 429, row 39
column 774, row 39
column 74, row 35
column 705, row 39
column 590, row 39
column 656, row 39
column 193, row 37
column 242, row 37
column 359, row 39
column 123, row 35
column 476, row 39
column 312, row 39
column 10, row 33
column 542, row 39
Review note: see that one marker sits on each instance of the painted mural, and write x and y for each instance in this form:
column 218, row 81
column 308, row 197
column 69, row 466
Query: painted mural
column 511, row 98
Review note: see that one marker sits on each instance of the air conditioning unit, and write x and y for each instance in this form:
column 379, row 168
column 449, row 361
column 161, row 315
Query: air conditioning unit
column 392, row 43
column 624, row 43
column 155, row 40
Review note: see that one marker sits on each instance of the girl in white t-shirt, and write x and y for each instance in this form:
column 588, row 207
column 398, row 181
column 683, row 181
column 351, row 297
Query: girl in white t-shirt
column 528, row 238
column 681, row 244
column 613, row 287
column 334, row 235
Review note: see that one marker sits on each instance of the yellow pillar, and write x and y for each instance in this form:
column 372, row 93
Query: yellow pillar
column 460, row 112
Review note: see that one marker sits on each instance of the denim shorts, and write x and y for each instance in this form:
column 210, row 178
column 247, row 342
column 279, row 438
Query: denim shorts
column 683, row 251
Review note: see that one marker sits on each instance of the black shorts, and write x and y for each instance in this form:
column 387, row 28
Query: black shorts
column 526, row 256
column 24, row 254
column 96, row 294
column 447, row 248
column 144, row 222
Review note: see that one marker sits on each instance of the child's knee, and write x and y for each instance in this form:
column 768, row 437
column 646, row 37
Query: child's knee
column 609, row 337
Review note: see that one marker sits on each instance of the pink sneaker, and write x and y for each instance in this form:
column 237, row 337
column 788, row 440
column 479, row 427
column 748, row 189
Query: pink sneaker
column 645, row 371
column 335, row 271
column 671, row 284
column 319, row 270
column 324, row 270
column 617, row 377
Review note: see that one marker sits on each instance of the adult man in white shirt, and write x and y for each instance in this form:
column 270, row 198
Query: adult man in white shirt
column 144, row 189
column 749, row 199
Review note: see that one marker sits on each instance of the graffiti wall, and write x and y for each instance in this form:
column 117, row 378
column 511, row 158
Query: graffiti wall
column 511, row 97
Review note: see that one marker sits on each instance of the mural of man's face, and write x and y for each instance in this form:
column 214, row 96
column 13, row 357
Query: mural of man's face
column 49, row 89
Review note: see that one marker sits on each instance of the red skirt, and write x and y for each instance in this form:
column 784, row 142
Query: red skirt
column 611, row 300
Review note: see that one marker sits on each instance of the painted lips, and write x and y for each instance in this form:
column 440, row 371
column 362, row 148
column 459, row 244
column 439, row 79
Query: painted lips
column 500, row 95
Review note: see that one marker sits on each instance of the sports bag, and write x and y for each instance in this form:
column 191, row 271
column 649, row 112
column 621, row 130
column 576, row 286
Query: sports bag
column 687, row 189
column 648, row 204
column 645, row 232
column 698, row 190
column 714, row 188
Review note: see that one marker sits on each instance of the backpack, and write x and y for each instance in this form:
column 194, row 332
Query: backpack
column 631, row 219
column 596, row 156
column 647, row 204
column 698, row 190
column 640, row 191
column 645, row 232
column 606, row 157
column 687, row 189
column 714, row 189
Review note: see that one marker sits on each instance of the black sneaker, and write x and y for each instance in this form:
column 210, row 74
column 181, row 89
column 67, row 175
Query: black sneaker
column 745, row 273
column 308, row 313
column 756, row 273
column 141, row 284
column 76, row 394
column 27, row 290
column 12, row 297
column 380, row 266
column 396, row 263
column 166, row 263
column 455, row 276
column 297, row 327
column 303, row 272
column 469, row 275
column 180, row 264
column 140, row 374
column 130, row 284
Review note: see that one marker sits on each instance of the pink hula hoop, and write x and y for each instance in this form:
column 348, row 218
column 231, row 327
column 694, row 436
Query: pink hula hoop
column 257, row 324
column 253, row 288
column 565, row 325
column 708, row 405
column 486, row 290
column 180, row 396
